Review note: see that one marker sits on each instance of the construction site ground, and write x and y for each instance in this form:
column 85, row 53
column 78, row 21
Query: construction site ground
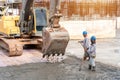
column 29, row 66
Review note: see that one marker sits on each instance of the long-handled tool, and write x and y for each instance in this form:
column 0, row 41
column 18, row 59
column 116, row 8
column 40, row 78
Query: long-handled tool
column 81, row 65
column 82, row 60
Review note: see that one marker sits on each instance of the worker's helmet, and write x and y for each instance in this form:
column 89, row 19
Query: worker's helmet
column 93, row 38
column 84, row 32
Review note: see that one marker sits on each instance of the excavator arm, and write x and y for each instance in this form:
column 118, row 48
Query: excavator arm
column 54, row 37
column 54, row 7
column 25, row 16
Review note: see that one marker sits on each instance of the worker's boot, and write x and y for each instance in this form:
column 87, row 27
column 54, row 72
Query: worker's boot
column 93, row 68
column 89, row 67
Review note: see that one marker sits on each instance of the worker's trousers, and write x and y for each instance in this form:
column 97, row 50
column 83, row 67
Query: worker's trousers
column 92, row 61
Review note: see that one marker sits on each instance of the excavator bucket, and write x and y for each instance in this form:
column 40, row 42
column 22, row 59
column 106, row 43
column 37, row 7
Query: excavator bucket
column 54, row 41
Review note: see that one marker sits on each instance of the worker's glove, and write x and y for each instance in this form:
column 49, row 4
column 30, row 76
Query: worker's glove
column 93, row 56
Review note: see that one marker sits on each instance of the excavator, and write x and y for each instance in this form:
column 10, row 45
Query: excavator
column 37, row 28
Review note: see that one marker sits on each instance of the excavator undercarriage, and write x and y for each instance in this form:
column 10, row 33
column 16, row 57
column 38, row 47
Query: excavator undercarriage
column 15, row 46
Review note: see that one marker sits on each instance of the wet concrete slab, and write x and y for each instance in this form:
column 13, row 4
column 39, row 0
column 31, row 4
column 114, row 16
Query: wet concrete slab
column 29, row 66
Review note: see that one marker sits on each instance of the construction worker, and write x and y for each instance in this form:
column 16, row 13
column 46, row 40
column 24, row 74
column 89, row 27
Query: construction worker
column 85, row 43
column 92, row 53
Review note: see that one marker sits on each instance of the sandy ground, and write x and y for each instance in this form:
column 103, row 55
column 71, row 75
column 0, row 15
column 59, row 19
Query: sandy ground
column 107, row 64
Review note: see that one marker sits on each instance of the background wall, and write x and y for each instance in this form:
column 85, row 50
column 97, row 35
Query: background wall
column 99, row 28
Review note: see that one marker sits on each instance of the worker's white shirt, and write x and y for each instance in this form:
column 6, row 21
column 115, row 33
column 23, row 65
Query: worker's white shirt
column 86, row 43
column 92, row 50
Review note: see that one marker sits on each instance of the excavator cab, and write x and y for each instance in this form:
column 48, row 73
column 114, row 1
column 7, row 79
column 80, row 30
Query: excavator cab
column 40, row 20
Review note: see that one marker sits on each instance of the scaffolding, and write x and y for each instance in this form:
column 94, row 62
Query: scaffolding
column 85, row 9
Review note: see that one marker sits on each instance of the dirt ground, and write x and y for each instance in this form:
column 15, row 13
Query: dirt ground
column 107, row 65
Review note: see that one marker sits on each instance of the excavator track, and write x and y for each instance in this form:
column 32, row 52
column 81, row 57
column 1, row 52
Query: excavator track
column 55, row 41
column 11, row 45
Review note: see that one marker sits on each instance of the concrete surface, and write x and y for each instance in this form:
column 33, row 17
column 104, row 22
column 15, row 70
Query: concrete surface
column 30, row 67
column 99, row 28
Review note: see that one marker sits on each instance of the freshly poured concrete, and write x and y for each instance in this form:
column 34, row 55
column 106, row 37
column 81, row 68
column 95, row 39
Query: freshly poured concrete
column 29, row 66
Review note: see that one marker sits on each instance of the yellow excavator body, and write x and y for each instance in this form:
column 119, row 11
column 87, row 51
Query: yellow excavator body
column 9, row 25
